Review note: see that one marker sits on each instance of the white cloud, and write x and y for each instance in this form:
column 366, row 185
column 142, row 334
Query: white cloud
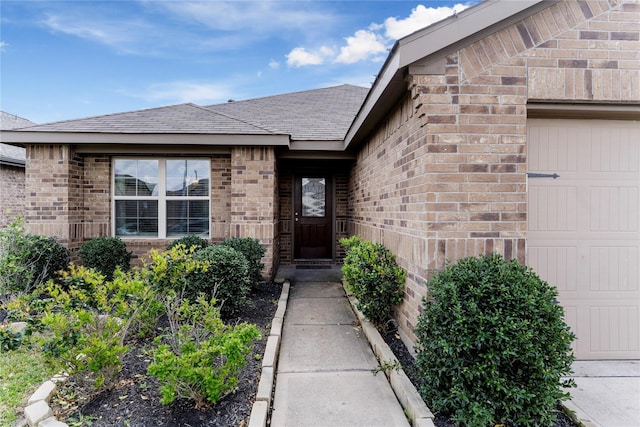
column 300, row 57
column 3, row 45
column 273, row 64
column 363, row 45
column 420, row 17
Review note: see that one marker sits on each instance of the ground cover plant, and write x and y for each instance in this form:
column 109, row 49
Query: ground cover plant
column 492, row 345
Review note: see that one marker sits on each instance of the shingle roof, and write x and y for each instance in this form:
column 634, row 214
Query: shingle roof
column 175, row 119
column 9, row 154
column 313, row 115
column 318, row 114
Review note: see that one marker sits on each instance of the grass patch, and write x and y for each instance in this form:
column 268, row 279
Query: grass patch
column 21, row 373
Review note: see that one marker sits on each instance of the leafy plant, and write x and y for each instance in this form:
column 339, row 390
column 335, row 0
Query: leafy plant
column 226, row 279
column 26, row 260
column 374, row 277
column 252, row 250
column 105, row 254
column 9, row 339
column 87, row 318
column 200, row 357
column 189, row 241
column 492, row 344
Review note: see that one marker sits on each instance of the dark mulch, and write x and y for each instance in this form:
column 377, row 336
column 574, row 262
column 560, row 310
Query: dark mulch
column 135, row 400
column 408, row 365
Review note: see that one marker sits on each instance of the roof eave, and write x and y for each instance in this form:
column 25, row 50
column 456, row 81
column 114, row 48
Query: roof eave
column 23, row 138
column 390, row 83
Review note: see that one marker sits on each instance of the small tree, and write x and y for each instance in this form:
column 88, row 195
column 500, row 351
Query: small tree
column 492, row 344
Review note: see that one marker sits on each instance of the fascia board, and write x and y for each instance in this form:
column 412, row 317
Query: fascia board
column 79, row 138
column 436, row 37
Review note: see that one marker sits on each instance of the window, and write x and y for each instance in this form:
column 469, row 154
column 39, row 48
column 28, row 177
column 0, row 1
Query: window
column 161, row 197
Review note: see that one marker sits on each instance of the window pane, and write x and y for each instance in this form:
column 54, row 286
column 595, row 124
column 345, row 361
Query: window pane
column 187, row 217
column 187, row 178
column 136, row 177
column 136, row 218
column 313, row 197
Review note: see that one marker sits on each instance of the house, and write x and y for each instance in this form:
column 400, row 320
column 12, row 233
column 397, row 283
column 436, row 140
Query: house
column 511, row 127
column 11, row 171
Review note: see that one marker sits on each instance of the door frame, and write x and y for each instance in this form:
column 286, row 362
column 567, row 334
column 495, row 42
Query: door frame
column 331, row 220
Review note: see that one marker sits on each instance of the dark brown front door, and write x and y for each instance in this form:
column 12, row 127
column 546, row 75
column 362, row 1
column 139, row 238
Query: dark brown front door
column 313, row 217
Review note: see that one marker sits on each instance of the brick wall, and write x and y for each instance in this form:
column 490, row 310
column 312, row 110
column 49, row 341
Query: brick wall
column 11, row 193
column 254, row 199
column 444, row 176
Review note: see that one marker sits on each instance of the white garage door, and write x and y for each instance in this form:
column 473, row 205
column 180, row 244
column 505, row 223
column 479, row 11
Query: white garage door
column 584, row 228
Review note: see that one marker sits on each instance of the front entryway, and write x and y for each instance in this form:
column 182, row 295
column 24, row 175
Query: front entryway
column 313, row 217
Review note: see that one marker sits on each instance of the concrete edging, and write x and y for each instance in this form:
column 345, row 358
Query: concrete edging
column 406, row 393
column 260, row 410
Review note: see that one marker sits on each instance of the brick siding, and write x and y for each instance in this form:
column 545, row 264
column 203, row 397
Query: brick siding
column 11, row 193
column 444, row 176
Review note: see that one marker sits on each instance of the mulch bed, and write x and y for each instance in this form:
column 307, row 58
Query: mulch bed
column 135, row 400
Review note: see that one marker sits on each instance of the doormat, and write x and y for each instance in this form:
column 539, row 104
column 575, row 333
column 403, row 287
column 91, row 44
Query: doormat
column 313, row 267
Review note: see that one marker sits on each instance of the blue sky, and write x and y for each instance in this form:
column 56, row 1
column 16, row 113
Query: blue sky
column 70, row 59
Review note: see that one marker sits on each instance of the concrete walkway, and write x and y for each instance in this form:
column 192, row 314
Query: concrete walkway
column 607, row 393
column 324, row 374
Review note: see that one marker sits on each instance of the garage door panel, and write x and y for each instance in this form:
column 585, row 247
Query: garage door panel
column 583, row 229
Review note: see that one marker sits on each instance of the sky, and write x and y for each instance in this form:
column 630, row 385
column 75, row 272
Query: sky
column 64, row 60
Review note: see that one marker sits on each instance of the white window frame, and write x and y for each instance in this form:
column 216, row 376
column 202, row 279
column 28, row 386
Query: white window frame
column 161, row 198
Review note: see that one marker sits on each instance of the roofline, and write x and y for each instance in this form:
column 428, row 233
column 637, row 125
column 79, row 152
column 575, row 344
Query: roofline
column 10, row 161
column 390, row 83
column 23, row 138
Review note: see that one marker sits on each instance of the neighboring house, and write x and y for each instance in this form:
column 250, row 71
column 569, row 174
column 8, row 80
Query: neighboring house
column 11, row 171
column 512, row 127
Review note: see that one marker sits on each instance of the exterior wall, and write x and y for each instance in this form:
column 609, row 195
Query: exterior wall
column 69, row 197
column 444, row 176
column 53, row 199
column 254, row 199
column 11, row 193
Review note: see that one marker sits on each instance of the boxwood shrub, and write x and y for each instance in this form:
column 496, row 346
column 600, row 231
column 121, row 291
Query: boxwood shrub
column 189, row 241
column 252, row 250
column 492, row 345
column 374, row 277
column 226, row 279
column 105, row 254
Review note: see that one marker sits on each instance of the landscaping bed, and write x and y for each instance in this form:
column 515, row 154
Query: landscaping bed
column 407, row 361
column 135, row 399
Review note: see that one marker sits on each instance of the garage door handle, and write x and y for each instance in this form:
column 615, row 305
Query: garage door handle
column 542, row 175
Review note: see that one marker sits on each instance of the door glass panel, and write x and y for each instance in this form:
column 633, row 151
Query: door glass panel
column 313, row 197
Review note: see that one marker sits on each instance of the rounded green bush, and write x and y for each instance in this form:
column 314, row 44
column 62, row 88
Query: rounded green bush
column 226, row 279
column 492, row 345
column 105, row 254
column 374, row 277
column 252, row 250
column 189, row 241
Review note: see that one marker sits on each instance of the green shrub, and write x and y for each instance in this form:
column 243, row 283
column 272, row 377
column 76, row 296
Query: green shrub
column 105, row 254
column 9, row 339
column 374, row 277
column 189, row 241
column 492, row 345
column 200, row 358
column 85, row 321
column 26, row 260
column 253, row 251
column 173, row 268
column 226, row 279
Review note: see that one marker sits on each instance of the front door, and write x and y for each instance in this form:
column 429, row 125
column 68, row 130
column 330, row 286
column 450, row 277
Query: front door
column 313, row 217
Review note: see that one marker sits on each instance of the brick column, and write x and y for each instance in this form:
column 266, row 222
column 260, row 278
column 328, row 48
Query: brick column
column 53, row 193
column 254, row 199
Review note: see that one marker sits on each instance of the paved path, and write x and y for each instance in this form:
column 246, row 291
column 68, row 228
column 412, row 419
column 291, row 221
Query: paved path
column 324, row 375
